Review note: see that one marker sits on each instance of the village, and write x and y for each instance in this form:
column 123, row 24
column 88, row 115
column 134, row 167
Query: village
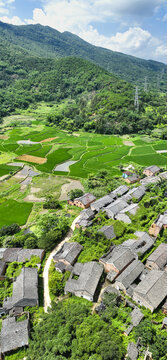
column 120, row 271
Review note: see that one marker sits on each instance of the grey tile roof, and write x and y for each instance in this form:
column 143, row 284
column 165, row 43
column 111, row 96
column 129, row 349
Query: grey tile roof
column 159, row 256
column 130, row 274
column 137, row 192
column 131, row 209
column 161, row 221
column 133, row 178
column 110, row 290
column 136, row 316
column 119, row 256
column 152, row 290
column 86, row 199
column 25, row 254
column 140, row 245
column 14, row 334
column 114, row 208
column 150, row 180
column 153, row 168
column 108, row 231
column 121, row 190
column 83, row 223
column 88, row 280
column 2, row 267
column 87, row 214
column 123, row 217
column 132, row 351
column 69, row 252
column 19, row 254
column 102, row 202
column 164, row 322
column 25, row 289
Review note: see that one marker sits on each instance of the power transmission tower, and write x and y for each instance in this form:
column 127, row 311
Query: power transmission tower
column 145, row 85
column 136, row 102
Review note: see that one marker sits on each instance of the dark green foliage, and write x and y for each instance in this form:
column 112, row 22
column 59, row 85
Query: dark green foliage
column 53, row 229
column 9, row 230
column 51, row 203
column 73, row 333
column 73, row 194
column 27, row 43
column 57, row 281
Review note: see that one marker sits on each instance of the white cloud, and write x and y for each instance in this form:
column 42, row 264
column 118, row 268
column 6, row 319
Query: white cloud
column 165, row 17
column 15, row 20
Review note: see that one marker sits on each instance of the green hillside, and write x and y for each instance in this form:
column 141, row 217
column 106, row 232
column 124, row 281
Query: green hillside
column 41, row 41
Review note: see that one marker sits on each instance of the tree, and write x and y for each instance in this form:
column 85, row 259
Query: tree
column 73, row 194
column 51, row 203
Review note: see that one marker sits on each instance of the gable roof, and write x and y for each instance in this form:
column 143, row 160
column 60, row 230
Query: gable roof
column 86, row 199
column 132, row 208
column 153, row 288
column 114, row 208
column 68, row 252
column 118, row 256
column 161, row 220
column 131, row 273
column 137, row 192
column 102, row 202
column 25, row 289
column 140, row 245
column 90, row 274
column 108, row 231
column 153, row 168
column 19, row 254
column 87, row 214
column 121, row 190
column 14, row 334
column 159, row 256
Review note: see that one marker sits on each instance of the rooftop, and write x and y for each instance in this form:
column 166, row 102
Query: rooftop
column 159, row 256
column 130, row 274
column 14, row 334
column 153, row 168
column 90, row 274
column 25, row 289
column 153, row 288
column 68, row 252
column 119, row 256
column 108, row 231
column 102, row 202
column 86, row 199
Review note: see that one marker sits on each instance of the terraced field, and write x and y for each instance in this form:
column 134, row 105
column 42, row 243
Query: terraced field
column 91, row 152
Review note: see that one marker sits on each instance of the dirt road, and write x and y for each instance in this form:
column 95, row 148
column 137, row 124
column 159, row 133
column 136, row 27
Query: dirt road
column 47, row 300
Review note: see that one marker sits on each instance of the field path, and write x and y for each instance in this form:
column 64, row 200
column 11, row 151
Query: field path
column 47, row 299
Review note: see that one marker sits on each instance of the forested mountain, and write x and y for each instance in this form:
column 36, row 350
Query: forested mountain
column 41, row 41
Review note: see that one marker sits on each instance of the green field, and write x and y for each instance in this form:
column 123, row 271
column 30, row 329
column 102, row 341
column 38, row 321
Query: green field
column 92, row 152
column 12, row 211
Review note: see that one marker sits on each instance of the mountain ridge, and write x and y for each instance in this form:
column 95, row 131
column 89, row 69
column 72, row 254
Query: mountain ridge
column 44, row 41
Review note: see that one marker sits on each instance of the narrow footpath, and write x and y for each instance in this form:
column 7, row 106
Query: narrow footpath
column 47, row 299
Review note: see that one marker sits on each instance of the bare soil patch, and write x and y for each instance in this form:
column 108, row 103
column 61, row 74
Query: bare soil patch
column 33, row 198
column 33, row 159
column 34, row 190
column 74, row 184
column 4, row 137
column 48, row 140
column 129, row 143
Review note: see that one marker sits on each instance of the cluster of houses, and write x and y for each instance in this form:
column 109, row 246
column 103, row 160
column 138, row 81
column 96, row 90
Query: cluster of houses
column 15, row 334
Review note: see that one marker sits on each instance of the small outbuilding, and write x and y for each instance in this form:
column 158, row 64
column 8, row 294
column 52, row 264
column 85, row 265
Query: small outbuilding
column 84, row 201
column 151, row 170
column 108, row 231
column 132, row 179
column 68, row 253
column 159, row 224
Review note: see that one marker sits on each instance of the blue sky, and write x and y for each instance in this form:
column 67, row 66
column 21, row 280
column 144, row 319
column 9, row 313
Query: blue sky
column 135, row 27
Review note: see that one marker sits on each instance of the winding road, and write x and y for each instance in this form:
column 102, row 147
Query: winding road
column 47, row 299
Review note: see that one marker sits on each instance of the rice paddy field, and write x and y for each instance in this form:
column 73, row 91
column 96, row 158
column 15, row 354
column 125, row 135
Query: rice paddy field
column 87, row 153
column 91, row 152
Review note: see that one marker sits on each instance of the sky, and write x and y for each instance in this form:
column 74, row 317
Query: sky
column 135, row 27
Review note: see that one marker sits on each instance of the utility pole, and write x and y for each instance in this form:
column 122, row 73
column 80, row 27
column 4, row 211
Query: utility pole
column 136, row 102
